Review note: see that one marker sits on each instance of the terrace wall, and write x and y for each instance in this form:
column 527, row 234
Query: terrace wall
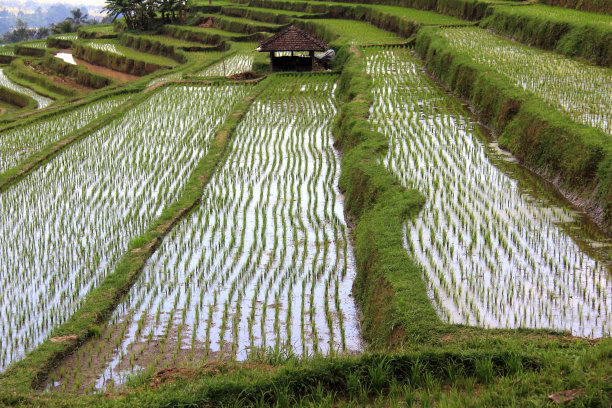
column 113, row 61
column 597, row 6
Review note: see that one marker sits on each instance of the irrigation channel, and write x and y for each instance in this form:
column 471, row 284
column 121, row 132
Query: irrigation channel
column 494, row 253
column 42, row 101
column 63, row 228
column 16, row 144
column 264, row 262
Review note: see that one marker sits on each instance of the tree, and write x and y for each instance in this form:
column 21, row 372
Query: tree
column 63, row 27
column 21, row 32
column 78, row 17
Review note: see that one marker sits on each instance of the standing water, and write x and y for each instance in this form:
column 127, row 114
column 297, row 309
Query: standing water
column 493, row 255
column 42, row 101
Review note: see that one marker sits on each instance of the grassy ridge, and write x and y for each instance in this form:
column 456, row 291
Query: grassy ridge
column 579, row 157
column 388, row 285
column 18, row 99
column 21, row 74
column 599, row 6
column 81, row 75
column 404, row 22
column 136, row 64
column 153, row 46
column 27, row 374
column 568, row 32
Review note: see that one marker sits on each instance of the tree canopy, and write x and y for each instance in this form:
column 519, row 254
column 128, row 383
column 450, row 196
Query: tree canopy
column 140, row 14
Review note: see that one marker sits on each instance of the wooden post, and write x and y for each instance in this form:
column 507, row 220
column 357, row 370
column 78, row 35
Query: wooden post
column 271, row 61
column 311, row 60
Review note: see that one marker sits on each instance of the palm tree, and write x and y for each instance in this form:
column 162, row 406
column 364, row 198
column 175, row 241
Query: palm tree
column 125, row 8
column 78, row 17
column 63, row 27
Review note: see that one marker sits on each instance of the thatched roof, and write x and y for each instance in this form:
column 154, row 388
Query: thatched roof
column 292, row 39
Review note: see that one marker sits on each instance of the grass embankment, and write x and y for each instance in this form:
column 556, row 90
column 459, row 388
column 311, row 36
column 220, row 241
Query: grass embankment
column 110, row 54
column 349, row 31
column 598, row 6
column 97, row 32
column 27, row 374
column 578, row 158
column 569, row 32
column 464, row 9
column 239, row 25
column 386, row 274
column 16, row 99
column 22, row 74
column 404, row 22
column 61, row 41
column 264, row 14
column 81, row 75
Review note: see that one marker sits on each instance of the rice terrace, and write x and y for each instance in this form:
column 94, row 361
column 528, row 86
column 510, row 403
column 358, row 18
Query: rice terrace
column 394, row 203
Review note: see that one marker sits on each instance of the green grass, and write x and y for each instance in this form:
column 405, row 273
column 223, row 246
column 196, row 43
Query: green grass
column 244, row 21
column 211, row 31
column 357, row 32
column 101, row 28
column 113, row 46
column 289, row 13
column 175, row 42
column 420, row 16
column 570, row 16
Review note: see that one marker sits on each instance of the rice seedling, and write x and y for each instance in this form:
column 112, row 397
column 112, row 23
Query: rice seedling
column 16, row 144
column 580, row 89
column 242, row 273
column 106, row 46
column 63, row 228
column 41, row 100
column 493, row 255
column 237, row 63
column 69, row 36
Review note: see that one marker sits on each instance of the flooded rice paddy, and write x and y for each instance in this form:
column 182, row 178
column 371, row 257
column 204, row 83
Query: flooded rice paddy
column 63, row 228
column 16, row 144
column 236, row 64
column 264, row 263
column 580, row 89
column 493, row 254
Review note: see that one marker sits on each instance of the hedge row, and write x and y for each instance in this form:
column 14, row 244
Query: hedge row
column 569, row 36
column 267, row 16
column 113, row 61
column 15, row 98
column 194, row 34
column 597, row 6
column 23, row 49
column 81, row 75
column 388, row 285
column 27, row 374
column 54, row 42
column 235, row 26
column 577, row 157
column 402, row 26
column 465, row 9
column 91, row 33
column 153, row 47
column 23, row 75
